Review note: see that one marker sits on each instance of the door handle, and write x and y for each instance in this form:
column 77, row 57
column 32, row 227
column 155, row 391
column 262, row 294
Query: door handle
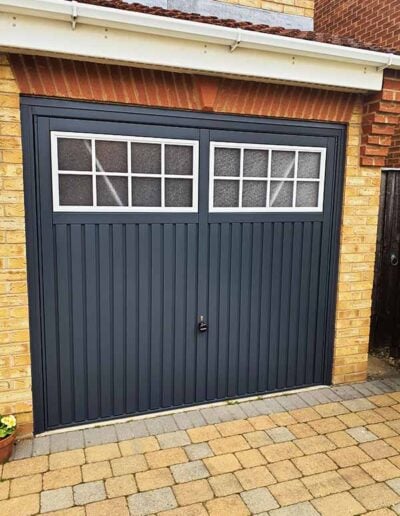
column 394, row 260
column 202, row 326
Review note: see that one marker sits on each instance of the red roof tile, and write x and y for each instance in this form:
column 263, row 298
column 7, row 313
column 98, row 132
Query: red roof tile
column 213, row 20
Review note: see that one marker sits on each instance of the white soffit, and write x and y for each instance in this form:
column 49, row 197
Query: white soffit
column 86, row 32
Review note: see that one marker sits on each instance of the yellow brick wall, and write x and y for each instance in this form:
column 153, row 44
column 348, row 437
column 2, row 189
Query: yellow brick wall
column 300, row 7
column 15, row 375
column 357, row 258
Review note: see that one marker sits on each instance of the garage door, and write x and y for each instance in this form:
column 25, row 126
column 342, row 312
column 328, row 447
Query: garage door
column 176, row 258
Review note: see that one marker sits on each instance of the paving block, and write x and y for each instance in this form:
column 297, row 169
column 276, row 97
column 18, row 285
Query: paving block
column 89, row 492
column 189, row 471
column 249, row 409
column 351, row 456
column 23, row 449
column 324, row 484
column 280, row 434
column 284, row 470
column 292, row 402
column 236, row 427
column 299, row 509
column 222, row 464
column 56, row 499
column 196, row 418
column 151, row 502
column 198, row 451
column 376, row 496
column 290, row 492
column 358, row 405
column 355, row 476
column 19, row 468
column 225, row 485
column 341, row 503
column 115, row 506
column 235, row 410
column 280, row 451
column 165, row 458
column 182, row 421
column 173, row 439
column 313, row 464
column 227, row 505
column 23, row 505
column 120, row 486
column 382, row 470
column 139, row 429
column 193, row 492
column 62, row 478
column 154, row 479
column 250, row 458
column 394, row 484
column 168, row 423
column 58, row 443
column 315, row 444
column 257, row 438
column 41, row 446
column 102, row 452
column 253, row 478
column 345, row 392
column 270, row 405
column 230, row 444
column 210, row 415
column 361, row 434
column 25, row 485
column 102, row 435
column 124, row 431
column 128, row 464
column 75, row 440
column 259, row 500
column 204, row 433
column 96, row 471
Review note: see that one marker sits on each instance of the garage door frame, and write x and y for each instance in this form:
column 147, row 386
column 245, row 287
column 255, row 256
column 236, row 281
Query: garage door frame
column 34, row 107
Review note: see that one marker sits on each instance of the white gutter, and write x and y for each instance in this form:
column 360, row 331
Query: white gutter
column 83, row 31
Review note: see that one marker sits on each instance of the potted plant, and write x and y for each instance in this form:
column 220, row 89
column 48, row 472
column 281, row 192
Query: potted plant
column 8, row 425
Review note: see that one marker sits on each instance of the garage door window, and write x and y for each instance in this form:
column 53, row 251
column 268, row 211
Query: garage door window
column 115, row 173
column 247, row 177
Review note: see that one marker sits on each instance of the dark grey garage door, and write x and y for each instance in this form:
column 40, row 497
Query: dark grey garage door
column 176, row 258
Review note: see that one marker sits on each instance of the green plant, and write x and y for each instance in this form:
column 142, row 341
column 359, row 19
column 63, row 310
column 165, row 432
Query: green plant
column 8, row 425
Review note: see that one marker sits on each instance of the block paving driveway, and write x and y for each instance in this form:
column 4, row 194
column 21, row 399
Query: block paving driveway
column 330, row 451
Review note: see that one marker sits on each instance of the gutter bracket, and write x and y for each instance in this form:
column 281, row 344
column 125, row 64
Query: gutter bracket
column 74, row 14
column 237, row 42
column 386, row 65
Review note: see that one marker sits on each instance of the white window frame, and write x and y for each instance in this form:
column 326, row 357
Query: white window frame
column 194, row 177
column 250, row 146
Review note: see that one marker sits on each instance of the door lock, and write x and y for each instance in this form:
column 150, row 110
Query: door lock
column 394, row 260
column 203, row 326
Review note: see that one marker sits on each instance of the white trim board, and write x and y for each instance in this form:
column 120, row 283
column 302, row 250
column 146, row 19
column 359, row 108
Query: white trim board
column 87, row 32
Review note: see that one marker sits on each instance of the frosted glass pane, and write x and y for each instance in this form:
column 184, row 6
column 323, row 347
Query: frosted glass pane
column 74, row 154
column 254, row 194
column 281, row 194
column 226, row 194
column 178, row 159
column 282, row 164
column 307, row 194
column 255, row 163
column 309, row 164
column 112, row 191
column 111, row 156
column 146, row 158
column 227, row 162
column 178, row 193
column 146, row 191
column 75, row 190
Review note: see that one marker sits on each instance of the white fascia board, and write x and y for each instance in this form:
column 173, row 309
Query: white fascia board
column 129, row 38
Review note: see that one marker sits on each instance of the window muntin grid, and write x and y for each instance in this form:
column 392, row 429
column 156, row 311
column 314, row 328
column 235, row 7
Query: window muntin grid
column 108, row 176
column 287, row 189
